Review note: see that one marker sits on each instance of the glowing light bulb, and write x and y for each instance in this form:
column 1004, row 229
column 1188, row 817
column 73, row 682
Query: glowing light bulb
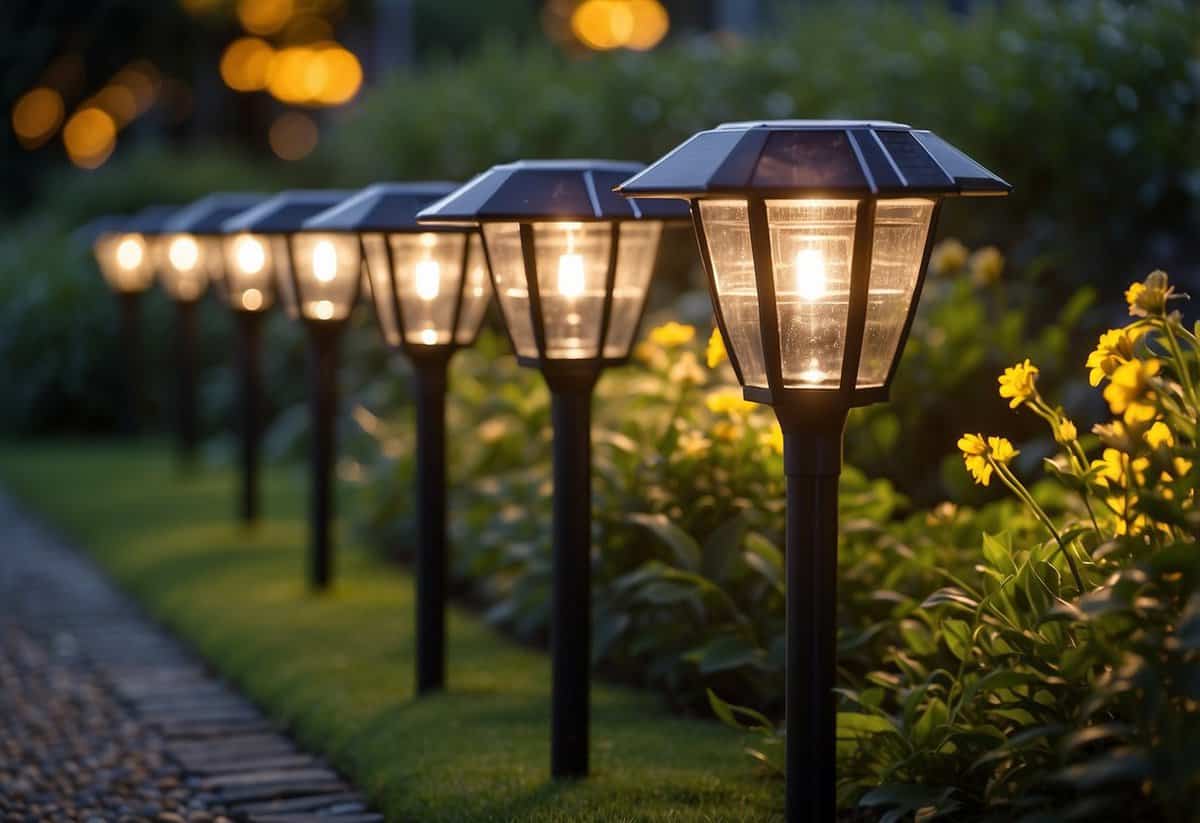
column 429, row 336
column 324, row 261
column 323, row 309
column 252, row 300
column 813, row 374
column 130, row 253
column 428, row 278
column 809, row 267
column 184, row 253
column 249, row 254
column 570, row 274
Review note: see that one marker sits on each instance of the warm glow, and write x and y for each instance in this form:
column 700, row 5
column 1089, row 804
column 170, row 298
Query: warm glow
column 293, row 135
column 264, row 16
column 36, row 115
column 323, row 309
column 341, row 73
column 428, row 279
column 813, row 374
column 429, row 337
column 142, row 80
column 119, row 101
column 324, row 262
column 604, row 25
column 184, row 253
column 570, row 274
column 250, row 256
column 130, row 252
column 809, row 267
column 252, row 299
column 245, row 64
column 90, row 136
column 323, row 73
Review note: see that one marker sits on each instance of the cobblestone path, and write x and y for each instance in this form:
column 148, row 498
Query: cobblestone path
column 104, row 717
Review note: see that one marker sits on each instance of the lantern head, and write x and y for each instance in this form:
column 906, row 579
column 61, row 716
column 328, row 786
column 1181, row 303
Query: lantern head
column 815, row 237
column 190, row 248
column 570, row 261
column 259, row 262
column 429, row 284
column 127, row 251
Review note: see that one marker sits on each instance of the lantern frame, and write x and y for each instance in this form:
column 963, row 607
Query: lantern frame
column 530, row 192
column 871, row 162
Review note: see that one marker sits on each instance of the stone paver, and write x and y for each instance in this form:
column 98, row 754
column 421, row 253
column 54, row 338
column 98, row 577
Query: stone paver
column 104, row 717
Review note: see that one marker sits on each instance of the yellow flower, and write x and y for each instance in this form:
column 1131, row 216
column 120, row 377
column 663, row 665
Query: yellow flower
column 772, row 440
column 672, row 335
column 725, row 430
column 728, row 401
column 1150, row 296
column 1133, row 527
column 1065, row 431
column 687, row 370
column 1115, row 468
column 715, row 353
column 1116, row 346
column 692, row 443
column 947, row 257
column 1129, row 391
column 980, row 456
column 986, row 265
column 1159, row 434
column 1018, row 381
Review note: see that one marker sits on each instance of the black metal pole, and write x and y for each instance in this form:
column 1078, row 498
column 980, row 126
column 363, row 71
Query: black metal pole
column 250, row 401
column 812, row 462
column 432, row 553
column 571, row 624
column 323, row 354
column 130, row 305
column 186, row 427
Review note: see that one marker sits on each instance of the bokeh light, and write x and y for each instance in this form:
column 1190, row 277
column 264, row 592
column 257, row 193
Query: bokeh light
column 264, row 16
column 323, row 74
column 89, row 137
column 603, row 25
column 119, row 101
column 293, row 135
column 246, row 64
column 342, row 75
column 143, row 81
column 37, row 115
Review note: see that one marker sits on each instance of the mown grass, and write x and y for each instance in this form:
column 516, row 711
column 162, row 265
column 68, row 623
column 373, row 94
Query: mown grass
column 336, row 669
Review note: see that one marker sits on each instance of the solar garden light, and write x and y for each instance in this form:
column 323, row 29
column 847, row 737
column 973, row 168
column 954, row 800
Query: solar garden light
column 430, row 288
column 258, row 270
column 570, row 265
column 189, row 259
column 127, row 256
column 815, row 236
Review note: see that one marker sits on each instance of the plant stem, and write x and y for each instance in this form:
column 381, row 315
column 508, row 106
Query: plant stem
column 1018, row 489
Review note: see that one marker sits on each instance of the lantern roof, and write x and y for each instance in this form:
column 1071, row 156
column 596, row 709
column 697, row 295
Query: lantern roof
column 383, row 207
column 547, row 190
column 814, row 157
column 285, row 212
column 206, row 215
column 94, row 229
column 150, row 220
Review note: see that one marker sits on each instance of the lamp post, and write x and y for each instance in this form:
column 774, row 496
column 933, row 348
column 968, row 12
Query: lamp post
column 258, row 269
column 126, row 254
column 815, row 236
column 430, row 288
column 189, row 259
column 570, row 265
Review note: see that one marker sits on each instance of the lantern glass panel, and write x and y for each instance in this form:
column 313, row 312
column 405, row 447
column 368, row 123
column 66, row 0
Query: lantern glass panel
column 637, row 249
column 185, row 265
column 512, row 290
column 125, row 261
column 572, row 264
column 285, row 283
column 727, row 232
column 901, row 231
column 428, row 271
column 248, row 266
column 812, row 250
column 383, row 294
column 476, row 292
column 328, row 273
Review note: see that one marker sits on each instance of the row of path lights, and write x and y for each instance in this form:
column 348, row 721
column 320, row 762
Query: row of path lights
column 317, row 290
column 814, row 237
column 571, row 265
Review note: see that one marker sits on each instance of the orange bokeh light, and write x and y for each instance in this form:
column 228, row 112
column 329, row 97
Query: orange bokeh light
column 603, row 25
column 90, row 136
column 293, row 135
column 264, row 16
column 246, row 63
column 36, row 116
column 118, row 101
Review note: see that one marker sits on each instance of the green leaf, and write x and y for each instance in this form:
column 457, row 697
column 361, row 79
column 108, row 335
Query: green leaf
column 856, row 724
column 951, row 595
column 918, row 637
column 997, row 550
column 957, row 634
column 684, row 549
column 728, row 652
column 728, row 714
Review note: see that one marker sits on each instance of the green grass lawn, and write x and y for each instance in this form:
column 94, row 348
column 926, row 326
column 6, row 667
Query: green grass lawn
column 336, row 669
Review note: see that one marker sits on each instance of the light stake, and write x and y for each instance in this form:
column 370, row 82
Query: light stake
column 570, row 265
column 430, row 287
column 127, row 255
column 316, row 279
column 815, row 237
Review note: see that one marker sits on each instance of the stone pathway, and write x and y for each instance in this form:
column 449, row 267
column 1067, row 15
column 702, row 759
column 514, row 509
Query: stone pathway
column 104, row 717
